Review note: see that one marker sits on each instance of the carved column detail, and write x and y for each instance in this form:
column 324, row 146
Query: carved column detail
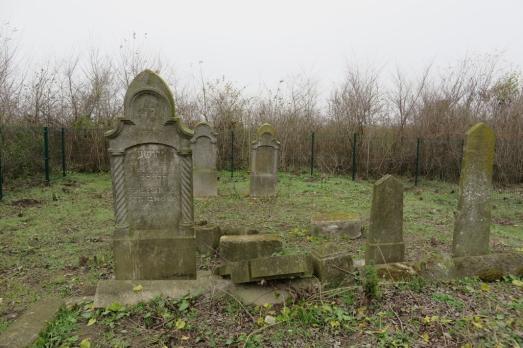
column 187, row 193
column 120, row 202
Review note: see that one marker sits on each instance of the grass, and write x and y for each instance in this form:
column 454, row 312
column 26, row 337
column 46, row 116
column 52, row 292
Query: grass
column 57, row 240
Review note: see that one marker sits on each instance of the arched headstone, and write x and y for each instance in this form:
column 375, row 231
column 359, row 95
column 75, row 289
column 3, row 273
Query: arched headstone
column 205, row 176
column 151, row 168
column 264, row 162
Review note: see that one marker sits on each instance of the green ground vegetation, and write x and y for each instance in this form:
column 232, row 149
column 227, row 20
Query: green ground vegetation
column 56, row 240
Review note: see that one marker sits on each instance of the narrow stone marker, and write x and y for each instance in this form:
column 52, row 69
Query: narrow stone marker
column 385, row 241
column 472, row 226
column 264, row 162
column 205, row 175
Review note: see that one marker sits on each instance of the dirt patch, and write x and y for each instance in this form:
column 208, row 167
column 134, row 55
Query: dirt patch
column 25, row 202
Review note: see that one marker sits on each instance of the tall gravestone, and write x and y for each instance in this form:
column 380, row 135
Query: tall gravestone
column 264, row 162
column 385, row 240
column 151, row 168
column 205, row 176
column 472, row 225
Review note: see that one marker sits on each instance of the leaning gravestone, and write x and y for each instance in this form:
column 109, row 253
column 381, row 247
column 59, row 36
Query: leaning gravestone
column 385, row 241
column 264, row 162
column 151, row 167
column 205, row 176
column 472, row 226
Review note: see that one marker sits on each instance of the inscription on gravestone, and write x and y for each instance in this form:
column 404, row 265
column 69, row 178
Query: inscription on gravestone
column 151, row 166
column 264, row 162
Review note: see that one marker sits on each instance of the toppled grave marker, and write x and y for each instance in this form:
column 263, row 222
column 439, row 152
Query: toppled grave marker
column 205, row 175
column 264, row 162
column 472, row 226
column 245, row 247
column 273, row 267
column 336, row 225
column 331, row 265
column 385, row 240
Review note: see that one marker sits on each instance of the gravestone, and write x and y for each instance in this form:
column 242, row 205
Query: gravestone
column 205, row 176
column 151, row 168
column 472, row 225
column 264, row 162
column 385, row 239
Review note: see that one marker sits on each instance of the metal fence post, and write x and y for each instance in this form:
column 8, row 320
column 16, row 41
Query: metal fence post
column 1, row 168
column 418, row 141
column 312, row 153
column 63, row 151
column 232, row 153
column 354, row 157
column 46, row 154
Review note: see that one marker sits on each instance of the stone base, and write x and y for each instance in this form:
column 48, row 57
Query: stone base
column 336, row 225
column 276, row 292
column 122, row 291
column 263, row 185
column 158, row 255
column 384, row 253
column 331, row 266
column 207, row 238
column 274, row 267
column 205, row 183
column 245, row 247
column 25, row 330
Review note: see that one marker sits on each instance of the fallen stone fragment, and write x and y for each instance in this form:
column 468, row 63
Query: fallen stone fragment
column 336, row 225
column 330, row 264
column 245, row 247
column 25, row 330
column 274, row 267
column 207, row 238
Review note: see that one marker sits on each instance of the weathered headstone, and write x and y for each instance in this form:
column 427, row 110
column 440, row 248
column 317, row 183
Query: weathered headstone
column 264, row 162
column 472, row 226
column 151, row 168
column 385, row 239
column 205, row 176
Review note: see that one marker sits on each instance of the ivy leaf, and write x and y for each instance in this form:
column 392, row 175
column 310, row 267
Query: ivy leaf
column 425, row 337
column 138, row 288
column 517, row 282
column 85, row 343
column 91, row 321
column 183, row 305
column 485, row 287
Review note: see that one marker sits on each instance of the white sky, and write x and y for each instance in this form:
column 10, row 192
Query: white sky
column 257, row 43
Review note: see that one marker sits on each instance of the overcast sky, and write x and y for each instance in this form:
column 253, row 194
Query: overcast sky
column 258, row 43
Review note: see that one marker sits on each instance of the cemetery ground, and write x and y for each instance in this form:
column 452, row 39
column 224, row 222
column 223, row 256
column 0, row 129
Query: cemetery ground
column 56, row 241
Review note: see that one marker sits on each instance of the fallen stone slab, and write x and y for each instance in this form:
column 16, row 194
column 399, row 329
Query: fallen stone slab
column 245, row 247
column 330, row 264
column 336, row 225
column 275, row 292
column 274, row 267
column 130, row 292
column 207, row 238
column 25, row 330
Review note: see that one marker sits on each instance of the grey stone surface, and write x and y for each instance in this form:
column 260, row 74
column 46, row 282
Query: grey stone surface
column 472, row 225
column 336, row 225
column 207, row 238
column 264, row 162
column 245, row 247
column 205, row 175
column 25, row 330
column 277, row 292
column 385, row 240
column 151, row 168
column 331, row 264
column 273, row 267
column 125, row 291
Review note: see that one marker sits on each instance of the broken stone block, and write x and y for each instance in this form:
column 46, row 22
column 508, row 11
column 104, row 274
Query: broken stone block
column 207, row 238
column 245, row 247
column 274, row 267
column 238, row 231
column 336, row 225
column 331, row 265
column 385, row 239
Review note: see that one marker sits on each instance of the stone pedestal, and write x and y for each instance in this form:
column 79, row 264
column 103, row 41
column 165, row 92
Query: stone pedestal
column 336, row 225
